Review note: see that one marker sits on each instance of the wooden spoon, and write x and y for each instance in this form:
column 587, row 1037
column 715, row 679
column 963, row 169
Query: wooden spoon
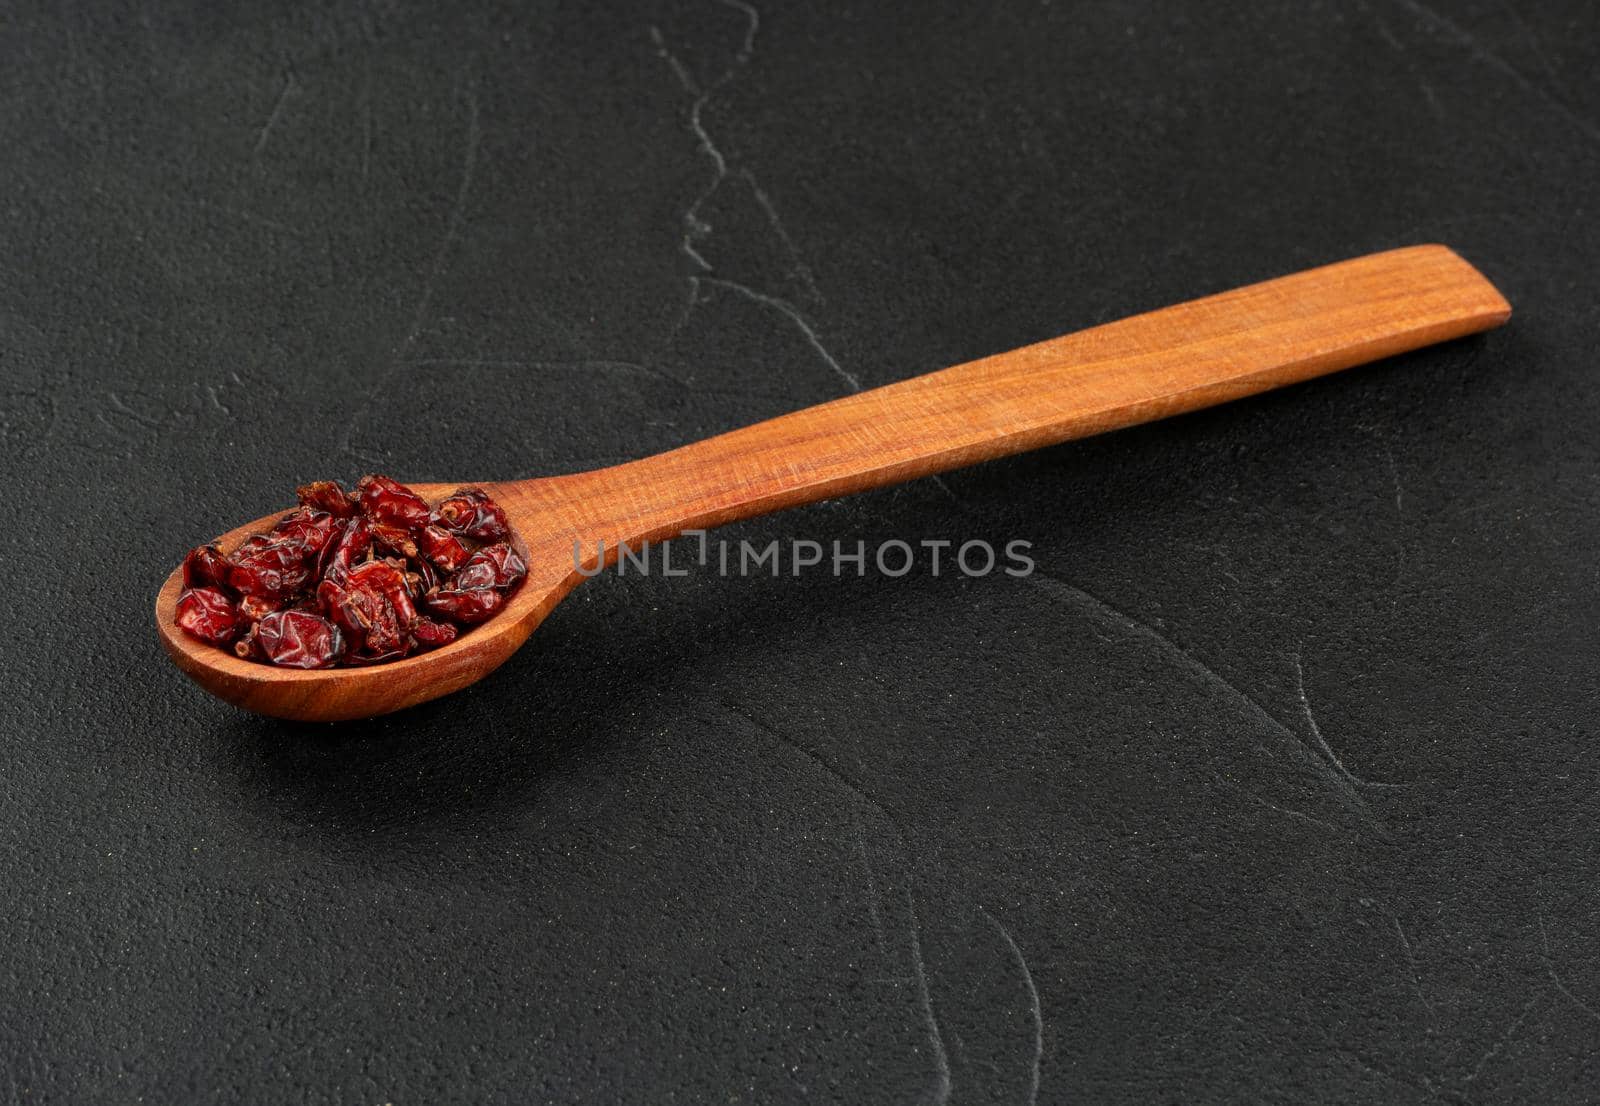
column 1147, row 367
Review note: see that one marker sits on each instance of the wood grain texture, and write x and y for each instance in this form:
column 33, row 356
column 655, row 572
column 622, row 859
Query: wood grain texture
column 1147, row 367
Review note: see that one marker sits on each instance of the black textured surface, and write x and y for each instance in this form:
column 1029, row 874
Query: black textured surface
column 1276, row 783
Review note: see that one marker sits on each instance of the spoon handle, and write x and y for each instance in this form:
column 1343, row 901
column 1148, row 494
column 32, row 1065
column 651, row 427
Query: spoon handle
column 1177, row 359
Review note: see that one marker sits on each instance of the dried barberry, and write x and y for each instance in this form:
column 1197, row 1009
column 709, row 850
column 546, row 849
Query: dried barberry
column 493, row 566
column 253, row 608
column 299, row 639
column 340, row 579
column 431, row 635
column 268, row 567
column 421, row 579
column 467, row 606
column 470, row 512
column 245, row 647
column 353, row 540
column 326, row 495
column 207, row 614
column 388, row 578
column 374, row 606
column 440, row 547
column 340, row 606
column 204, row 568
column 386, row 500
column 394, row 539
column 308, row 529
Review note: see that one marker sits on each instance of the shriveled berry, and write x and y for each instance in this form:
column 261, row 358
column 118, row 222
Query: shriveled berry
column 470, row 512
column 345, row 612
column 268, row 566
column 280, row 562
column 394, row 539
column 431, row 635
column 205, row 568
column 353, row 540
column 493, row 566
column 421, row 579
column 387, row 636
column 326, row 495
column 374, row 606
column 340, row 579
column 467, row 606
column 441, row 547
column 207, row 614
column 389, row 579
column 309, row 529
column 386, row 500
column 253, row 608
column 298, row 639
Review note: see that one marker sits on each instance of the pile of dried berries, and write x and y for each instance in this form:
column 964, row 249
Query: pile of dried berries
column 353, row 579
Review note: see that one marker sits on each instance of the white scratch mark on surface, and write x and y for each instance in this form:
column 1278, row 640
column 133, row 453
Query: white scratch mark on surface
column 137, row 416
column 290, row 86
column 216, row 400
column 1475, row 47
column 788, row 310
column 1550, row 967
column 1077, row 597
column 1411, row 963
column 1033, row 1001
column 1322, row 743
column 1532, row 39
column 801, row 269
column 1504, row 1038
column 873, row 911
column 1394, row 478
column 452, row 230
column 1259, row 801
column 1404, row 55
column 696, row 228
column 941, row 1059
column 608, row 366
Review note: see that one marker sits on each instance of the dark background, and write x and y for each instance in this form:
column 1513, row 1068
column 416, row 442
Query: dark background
column 1277, row 781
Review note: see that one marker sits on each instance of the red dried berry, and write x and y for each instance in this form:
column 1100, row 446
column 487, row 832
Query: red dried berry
column 467, row 606
column 420, row 579
column 441, row 547
column 205, row 568
column 493, row 566
column 388, row 578
column 206, row 614
column 470, row 511
column 394, row 539
column 298, row 639
column 268, row 567
column 353, row 540
column 374, row 606
column 326, row 495
column 308, row 529
column 431, row 635
column 388, row 501
column 253, row 608
column 345, row 612
column 339, row 580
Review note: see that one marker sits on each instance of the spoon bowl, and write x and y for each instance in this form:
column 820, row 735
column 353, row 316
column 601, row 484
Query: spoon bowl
column 333, row 694
column 1147, row 367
